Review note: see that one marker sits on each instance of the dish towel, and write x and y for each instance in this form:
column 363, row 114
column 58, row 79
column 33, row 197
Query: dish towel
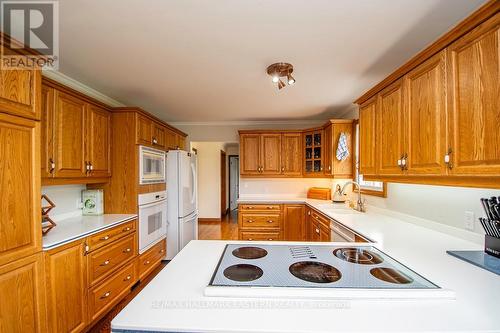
column 342, row 148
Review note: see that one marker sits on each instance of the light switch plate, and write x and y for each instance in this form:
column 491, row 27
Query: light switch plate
column 469, row 220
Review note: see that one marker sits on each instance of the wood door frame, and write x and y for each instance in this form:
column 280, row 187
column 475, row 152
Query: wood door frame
column 229, row 176
column 223, row 182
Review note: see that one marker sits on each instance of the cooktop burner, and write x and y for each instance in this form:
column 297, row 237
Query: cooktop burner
column 249, row 252
column 390, row 275
column 243, row 272
column 316, row 272
column 358, row 256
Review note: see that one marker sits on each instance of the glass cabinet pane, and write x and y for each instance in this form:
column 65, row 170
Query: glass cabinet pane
column 317, row 166
column 309, row 166
column 309, row 139
column 317, row 139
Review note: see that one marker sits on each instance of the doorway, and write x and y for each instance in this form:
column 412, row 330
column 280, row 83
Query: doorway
column 223, row 184
column 234, row 181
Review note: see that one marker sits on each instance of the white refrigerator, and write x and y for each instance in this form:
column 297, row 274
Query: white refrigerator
column 182, row 200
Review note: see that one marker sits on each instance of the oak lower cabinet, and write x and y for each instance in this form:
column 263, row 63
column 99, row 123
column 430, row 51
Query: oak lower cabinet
column 294, row 222
column 22, row 301
column 257, row 222
column 20, row 232
column 150, row 259
column 66, row 287
column 319, row 227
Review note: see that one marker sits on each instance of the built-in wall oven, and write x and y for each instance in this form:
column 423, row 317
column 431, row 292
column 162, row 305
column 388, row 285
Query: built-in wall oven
column 151, row 165
column 152, row 219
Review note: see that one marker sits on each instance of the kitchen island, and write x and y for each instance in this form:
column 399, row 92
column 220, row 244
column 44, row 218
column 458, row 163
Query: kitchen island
column 174, row 301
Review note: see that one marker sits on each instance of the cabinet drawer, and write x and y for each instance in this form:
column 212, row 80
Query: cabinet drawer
column 261, row 221
column 320, row 218
column 106, row 259
column 260, row 236
column 259, row 207
column 151, row 258
column 108, row 236
column 103, row 296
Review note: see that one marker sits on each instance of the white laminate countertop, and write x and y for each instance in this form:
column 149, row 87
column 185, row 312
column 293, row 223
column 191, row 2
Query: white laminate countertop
column 78, row 227
column 174, row 300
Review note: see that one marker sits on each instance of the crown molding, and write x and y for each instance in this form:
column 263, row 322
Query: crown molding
column 248, row 122
column 80, row 87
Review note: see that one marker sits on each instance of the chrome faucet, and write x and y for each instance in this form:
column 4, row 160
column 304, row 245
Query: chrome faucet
column 360, row 205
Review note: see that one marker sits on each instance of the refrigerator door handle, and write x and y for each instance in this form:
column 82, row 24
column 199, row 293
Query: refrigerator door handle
column 194, row 185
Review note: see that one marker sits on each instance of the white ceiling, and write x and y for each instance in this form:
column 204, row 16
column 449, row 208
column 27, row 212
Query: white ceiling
column 193, row 60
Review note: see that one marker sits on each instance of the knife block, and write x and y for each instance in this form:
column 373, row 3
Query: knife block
column 492, row 246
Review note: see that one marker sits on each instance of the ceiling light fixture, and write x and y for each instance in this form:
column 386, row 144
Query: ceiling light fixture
column 279, row 70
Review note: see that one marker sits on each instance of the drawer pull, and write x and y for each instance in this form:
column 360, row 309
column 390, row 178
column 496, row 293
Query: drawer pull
column 147, row 262
column 250, row 239
column 161, row 251
column 249, row 207
column 104, row 238
column 106, row 295
column 250, row 221
column 270, row 207
column 317, row 231
column 126, row 229
column 270, row 239
column 105, row 263
column 127, row 250
column 270, row 221
column 127, row 278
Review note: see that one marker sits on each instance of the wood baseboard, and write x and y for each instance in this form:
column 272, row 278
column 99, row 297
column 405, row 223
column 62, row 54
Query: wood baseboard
column 209, row 219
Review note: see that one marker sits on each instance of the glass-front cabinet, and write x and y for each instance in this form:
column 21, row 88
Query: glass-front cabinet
column 313, row 152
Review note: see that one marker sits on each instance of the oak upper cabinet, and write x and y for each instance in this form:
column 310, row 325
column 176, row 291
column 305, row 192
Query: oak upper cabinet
column 270, row 153
column 159, row 136
column 425, row 117
column 313, row 150
column 333, row 166
column 69, row 136
column 66, row 287
column 144, row 134
column 390, row 130
column 294, row 225
column 250, row 154
column 367, row 137
column 474, row 102
column 22, row 301
column 20, row 90
column 291, row 154
column 98, row 141
column 47, row 132
column 20, row 230
column 181, row 142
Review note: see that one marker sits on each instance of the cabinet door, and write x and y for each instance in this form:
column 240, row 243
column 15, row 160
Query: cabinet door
column 159, row 136
column 341, row 169
column 20, row 230
column 367, row 138
column 66, row 285
column 144, row 128
column 47, row 132
column 98, row 141
column 315, row 231
column 181, row 142
column 250, row 154
column 295, row 223
column 390, row 129
column 69, row 136
column 291, row 154
column 324, row 233
column 270, row 154
column 425, row 117
column 474, row 102
column 22, row 304
column 313, row 149
column 328, row 153
column 20, row 91
column 171, row 140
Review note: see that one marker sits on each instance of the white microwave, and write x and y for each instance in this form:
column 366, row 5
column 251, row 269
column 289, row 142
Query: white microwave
column 151, row 165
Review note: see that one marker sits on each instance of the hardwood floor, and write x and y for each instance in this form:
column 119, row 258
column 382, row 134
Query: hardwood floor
column 104, row 325
column 227, row 229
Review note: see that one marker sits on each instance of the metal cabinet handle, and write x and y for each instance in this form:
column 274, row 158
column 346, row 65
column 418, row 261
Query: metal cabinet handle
column 91, row 166
column 250, row 239
column 127, row 250
column 270, row 221
column 282, row 169
column 104, row 238
column 106, row 295
column 162, row 250
column 447, row 159
column 270, row 239
column 105, row 263
column 147, row 262
column 126, row 229
column 52, row 165
column 250, row 221
column 270, row 207
column 127, row 278
column 317, row 231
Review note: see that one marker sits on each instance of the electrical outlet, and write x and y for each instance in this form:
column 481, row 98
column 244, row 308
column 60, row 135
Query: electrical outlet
column 469, row 220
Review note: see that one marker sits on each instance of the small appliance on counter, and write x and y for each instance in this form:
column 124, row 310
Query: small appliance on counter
column 93, row 202
column 490, row 258
column 338, row 196
column 321, row 193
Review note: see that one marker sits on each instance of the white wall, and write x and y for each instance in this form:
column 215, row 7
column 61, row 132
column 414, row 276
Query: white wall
column 67, row 199
column 209, row 191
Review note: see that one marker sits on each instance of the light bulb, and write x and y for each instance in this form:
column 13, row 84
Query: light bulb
column 291, row 80
column 276, row 78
